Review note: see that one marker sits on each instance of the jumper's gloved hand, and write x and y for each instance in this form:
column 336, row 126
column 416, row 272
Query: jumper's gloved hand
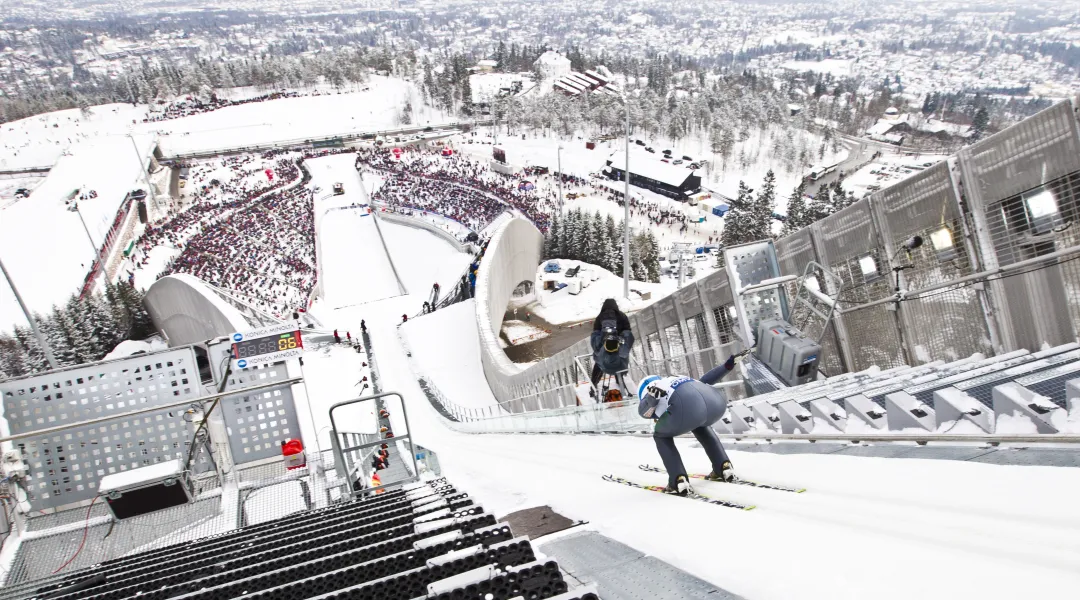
column 729, row 364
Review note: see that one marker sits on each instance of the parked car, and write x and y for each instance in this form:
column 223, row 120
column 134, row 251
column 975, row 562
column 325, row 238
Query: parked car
column 552, row 267
column 676, row 162
column 665, row 160
column 667, row 152
column 687, row 158
column 639, row 142
column 339, row 189
column 22, row 193
column 649, row 149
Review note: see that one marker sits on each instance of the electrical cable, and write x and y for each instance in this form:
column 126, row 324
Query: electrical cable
column 206, row 415
column 86, row 530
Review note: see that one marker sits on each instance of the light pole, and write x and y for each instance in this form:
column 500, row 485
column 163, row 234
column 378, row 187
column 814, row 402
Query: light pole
column 626, row 207
column 33, row 324
column 145, row 176
column 85, row 228
column 559, row 154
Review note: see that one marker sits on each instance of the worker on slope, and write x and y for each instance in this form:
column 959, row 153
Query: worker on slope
column 611, row 341
column 681, row 405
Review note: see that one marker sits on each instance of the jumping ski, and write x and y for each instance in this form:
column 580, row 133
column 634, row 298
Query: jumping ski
column 738, row 481
column 692, row 495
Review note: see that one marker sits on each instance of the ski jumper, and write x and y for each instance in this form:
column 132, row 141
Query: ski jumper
column 683, row 405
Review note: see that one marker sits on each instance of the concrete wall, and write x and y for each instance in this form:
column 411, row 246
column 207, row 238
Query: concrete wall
column 187, row 311
column 511, row 257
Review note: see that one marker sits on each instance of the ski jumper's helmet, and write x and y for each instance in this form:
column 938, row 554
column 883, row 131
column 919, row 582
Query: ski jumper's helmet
column 645, row 383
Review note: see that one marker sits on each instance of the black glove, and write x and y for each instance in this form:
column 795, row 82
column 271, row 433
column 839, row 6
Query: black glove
column 729, row 364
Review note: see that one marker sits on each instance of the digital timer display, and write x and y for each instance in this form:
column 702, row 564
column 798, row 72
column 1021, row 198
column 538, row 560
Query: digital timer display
column 267, row 345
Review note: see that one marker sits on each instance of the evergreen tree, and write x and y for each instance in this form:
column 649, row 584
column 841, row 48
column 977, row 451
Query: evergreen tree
column 551, row 240
column 796, row 210
column 979, row 123
column 820, row 206
column 57, row 330
column 738, row 221
column 13, row 359
column 763, row 207
column 638, row 271
column 35, row 357
column 650, row 256
column 142, row 326
column 613, row 245
column 578, row 233
column 618, row 265
column 591, row 247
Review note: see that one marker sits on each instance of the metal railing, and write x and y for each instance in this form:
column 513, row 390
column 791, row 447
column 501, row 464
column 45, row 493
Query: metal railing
column 349, row 458
column 997, row 270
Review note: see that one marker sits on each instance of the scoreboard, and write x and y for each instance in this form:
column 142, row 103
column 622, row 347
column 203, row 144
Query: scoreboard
column 266, row 345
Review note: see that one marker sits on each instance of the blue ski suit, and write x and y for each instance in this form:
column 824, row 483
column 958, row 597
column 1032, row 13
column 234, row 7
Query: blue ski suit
column 681, row 405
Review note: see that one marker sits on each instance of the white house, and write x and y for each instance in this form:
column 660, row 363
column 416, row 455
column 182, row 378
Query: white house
column 553, row 65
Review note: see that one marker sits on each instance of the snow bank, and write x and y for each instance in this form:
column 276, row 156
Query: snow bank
column 130, row 347
column 561, row 307
column 520, row 332
column 445, row 347
column 423, row 258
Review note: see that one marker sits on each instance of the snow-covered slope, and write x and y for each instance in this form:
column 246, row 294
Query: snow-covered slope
column 360, row 273
column 867, row 527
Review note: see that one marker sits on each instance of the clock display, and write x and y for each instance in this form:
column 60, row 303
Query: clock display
column 267, row 345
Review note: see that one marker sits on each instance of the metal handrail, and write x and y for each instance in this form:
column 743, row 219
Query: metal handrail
column 1005, row 438
column 140, row 411
column 339, row 453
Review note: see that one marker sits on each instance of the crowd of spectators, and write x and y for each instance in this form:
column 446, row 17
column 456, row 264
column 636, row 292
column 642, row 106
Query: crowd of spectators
column 455, row 186
column 191, row 105
column 264, row 251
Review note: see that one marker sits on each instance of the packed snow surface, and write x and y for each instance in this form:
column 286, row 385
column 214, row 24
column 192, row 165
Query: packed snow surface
column 363, row 274
column 454, row 329
column 990, row 528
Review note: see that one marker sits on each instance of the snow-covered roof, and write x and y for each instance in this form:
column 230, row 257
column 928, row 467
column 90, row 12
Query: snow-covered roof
column 487, row 63
column 647, row 165
column 881, row 127
column 936, row 126
column 597, row 76
column 569, row 90
column 552, row 57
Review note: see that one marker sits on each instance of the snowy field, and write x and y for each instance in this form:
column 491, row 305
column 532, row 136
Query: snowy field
column 39, row 141
column 42, row 234
column 838, row 67
column 762, row 150
column 379, row 107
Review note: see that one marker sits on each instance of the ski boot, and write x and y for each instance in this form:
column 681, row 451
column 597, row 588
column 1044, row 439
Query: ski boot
column 681, row 487
column 726, row 475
